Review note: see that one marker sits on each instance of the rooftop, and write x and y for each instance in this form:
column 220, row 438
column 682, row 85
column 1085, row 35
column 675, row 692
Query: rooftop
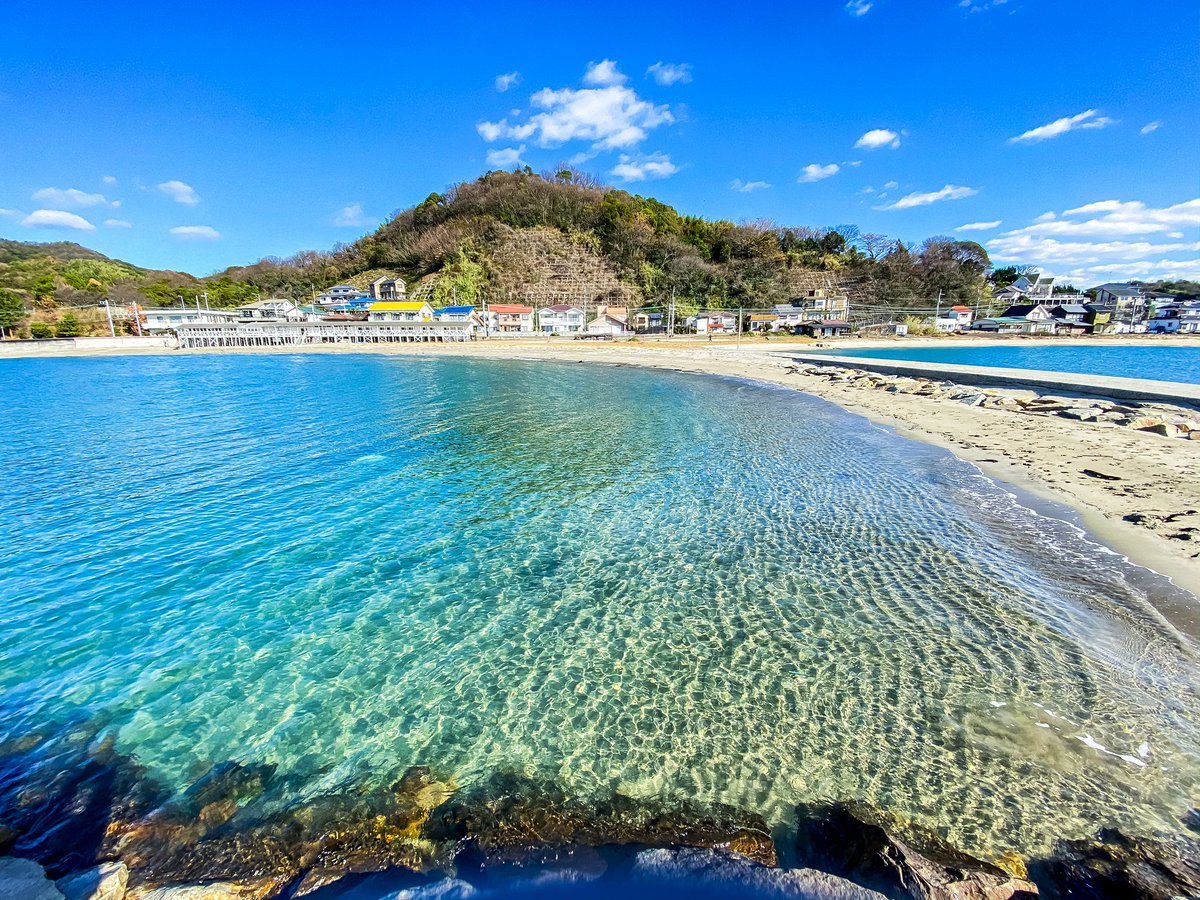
column 398, row 306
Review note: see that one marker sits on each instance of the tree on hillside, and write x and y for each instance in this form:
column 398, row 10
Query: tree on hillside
column 68, row 326
column 12, row 312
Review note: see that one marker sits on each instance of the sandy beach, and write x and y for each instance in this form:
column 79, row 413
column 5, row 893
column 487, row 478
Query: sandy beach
column 1147, row 508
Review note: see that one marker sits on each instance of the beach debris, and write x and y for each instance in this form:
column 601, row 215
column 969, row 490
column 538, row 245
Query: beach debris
column 1103, row 476
column 864, row 845
column 106, row 881
column 1192, row 819
column 26, row 880
column 1113, row 865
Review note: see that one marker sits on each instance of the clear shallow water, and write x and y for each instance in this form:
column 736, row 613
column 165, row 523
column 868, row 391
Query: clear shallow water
column 665, row 584
column 1159, row 363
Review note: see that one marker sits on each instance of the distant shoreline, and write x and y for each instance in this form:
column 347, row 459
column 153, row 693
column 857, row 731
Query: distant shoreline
column 1160, row 476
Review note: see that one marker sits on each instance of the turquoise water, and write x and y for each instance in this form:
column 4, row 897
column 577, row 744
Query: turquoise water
column 661, row 583
column 1160, row 363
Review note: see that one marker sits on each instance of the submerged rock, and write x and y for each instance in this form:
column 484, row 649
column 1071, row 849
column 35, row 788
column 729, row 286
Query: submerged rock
column 215, row 890
column 853, row 843
column 23, row 879
column 105, row 882
column 721, row 873
column 514, row 819
column 1114, row 866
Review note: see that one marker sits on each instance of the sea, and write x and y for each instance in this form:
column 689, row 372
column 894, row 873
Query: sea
column 1157, row 362
column 662, row 584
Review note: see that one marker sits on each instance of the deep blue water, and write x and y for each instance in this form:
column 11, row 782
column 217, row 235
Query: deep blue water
column 1159, row 362
column 663, row 584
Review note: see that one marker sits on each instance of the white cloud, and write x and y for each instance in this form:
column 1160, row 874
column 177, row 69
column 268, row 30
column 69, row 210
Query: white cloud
column 1106, row 239
column 611, row 118
column 1115, row 219
column 507, row 80
column 603, row 74
column 351, row 216
column 1086, row 119
column 867, row 190
column 816, row 172
column 668, row 74
column 877, row 138
column 109, row 179
column 505, row 157
column 748, row 187
column 180, row 192
column 641, row 168
column 56, row 218
column 858, row 7
column 1151, row 126
column 10, row 213
column 949, row 192
column 975, row 7
column 891, row 185
column 71, row 197
column 117, row 223
column 979, row 226
column 195, row 233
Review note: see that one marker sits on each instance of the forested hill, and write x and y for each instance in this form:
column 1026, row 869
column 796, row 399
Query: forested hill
column 520, row 235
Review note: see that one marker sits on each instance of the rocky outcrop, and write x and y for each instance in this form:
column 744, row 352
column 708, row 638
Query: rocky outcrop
column 854, row 843
column 23, row 879
column 1114, row 866
column 718, row 873
column 517, row 820
column 106, row 881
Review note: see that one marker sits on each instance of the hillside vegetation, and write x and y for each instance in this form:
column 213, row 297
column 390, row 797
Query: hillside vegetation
column 547, row 238
column 520, row 235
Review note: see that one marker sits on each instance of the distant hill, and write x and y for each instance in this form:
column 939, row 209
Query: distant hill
column 549, row 238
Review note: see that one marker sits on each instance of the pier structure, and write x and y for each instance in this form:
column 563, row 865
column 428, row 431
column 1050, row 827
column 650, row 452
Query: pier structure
column 196, row 336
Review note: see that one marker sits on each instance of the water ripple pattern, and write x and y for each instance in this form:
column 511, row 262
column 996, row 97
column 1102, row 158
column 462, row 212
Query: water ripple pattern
column 665, row 584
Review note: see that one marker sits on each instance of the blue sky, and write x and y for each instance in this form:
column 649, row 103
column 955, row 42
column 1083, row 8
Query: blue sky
column 205, row 135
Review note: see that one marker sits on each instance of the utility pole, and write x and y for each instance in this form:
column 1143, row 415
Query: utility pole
column 671, row 316
column 739, row 337
column 937, row 315
column 108, row 312
column 137, row 318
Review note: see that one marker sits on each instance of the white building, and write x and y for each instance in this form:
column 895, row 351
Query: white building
column 510, row 318
column 387, row 288
column 957, row 318
column 560, row 319
column 276, row 309
column 716, row 323
column 158, row 320
column 343, row 296
column 610, row 325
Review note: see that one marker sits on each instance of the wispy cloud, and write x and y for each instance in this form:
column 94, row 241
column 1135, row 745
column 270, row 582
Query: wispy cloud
column 1151, row 126
column 858, row 7
column 180, row 192
column 603, row 73
column 351, row 216
column 748, row 187
column 1106, row 238
column 877, row 138
column 507, row 80
column 56, row 218
column 817, row 172
column 196, row 233
column 949, row 192
column 975, row 6
column 979, row 226
column 70, row 197
column 1089, row 118
column 891, row 185
column 10, row 213
column 109, row 179
column 117, row 223
column 643, row 168
column 504, row 157
column 668, row 74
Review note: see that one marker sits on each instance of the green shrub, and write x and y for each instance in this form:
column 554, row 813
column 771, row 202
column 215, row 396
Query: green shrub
column 68, row 326
column 40, row 330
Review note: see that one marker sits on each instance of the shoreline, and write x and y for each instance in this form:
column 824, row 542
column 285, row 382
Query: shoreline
column 1158, row 474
